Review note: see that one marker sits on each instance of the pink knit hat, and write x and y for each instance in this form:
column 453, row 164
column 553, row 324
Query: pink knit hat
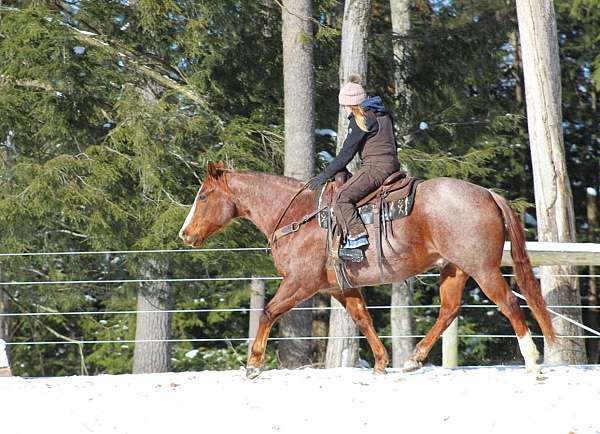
column 352, row 93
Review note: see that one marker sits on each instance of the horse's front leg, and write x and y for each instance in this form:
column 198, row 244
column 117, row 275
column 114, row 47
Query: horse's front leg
column 288, row 295
column 354, row 303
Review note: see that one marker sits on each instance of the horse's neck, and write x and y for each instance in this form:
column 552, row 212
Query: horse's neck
column 261, row 198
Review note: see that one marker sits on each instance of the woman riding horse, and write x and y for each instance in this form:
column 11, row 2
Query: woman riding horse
column 371, row 135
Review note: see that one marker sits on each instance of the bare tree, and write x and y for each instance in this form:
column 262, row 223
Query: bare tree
column 154, row 355
column 298, row 82
column 554, row 201
column 4, row 308
column 353, row 60
column 401, row 318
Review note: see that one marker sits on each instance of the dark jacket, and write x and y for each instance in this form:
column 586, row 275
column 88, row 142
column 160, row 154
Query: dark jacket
column 377, row 142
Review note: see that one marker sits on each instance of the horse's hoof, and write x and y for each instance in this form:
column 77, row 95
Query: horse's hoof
column 252, row 372
column 411, row 365
column 379, row 371
column 536, row 372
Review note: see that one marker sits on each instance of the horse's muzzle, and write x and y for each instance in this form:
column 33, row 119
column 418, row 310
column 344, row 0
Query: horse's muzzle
column 191, row 240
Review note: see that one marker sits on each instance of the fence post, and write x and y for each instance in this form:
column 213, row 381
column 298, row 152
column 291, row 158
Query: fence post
column 257, row 301
column 4, row 366
column 450, row 345
column 401, row 319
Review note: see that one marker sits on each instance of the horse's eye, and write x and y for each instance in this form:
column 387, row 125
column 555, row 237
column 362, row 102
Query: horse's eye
column 201, row 196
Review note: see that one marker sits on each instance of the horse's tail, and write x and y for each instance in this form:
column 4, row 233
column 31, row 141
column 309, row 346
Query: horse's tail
column 522, row 265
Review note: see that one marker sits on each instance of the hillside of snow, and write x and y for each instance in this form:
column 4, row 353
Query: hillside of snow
column 346, row 400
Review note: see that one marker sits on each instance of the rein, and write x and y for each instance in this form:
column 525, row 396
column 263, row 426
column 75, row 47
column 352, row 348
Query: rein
column 294, row 226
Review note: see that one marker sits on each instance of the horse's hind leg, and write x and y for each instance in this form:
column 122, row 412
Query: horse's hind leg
column 453, row 281
column 354, row 303
column 495, row 287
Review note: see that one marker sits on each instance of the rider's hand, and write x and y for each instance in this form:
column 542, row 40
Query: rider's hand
column 316, row 182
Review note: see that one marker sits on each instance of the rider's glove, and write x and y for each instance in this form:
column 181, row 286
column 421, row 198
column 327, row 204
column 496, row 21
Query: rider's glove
column 317, row 181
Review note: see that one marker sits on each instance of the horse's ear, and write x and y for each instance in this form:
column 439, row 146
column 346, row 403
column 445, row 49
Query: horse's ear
column 212, row 169
column 216, row 170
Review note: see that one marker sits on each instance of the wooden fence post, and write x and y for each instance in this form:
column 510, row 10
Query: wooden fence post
column 450, row 345
column 257, row 301
column 401, row 321
column 4, row 366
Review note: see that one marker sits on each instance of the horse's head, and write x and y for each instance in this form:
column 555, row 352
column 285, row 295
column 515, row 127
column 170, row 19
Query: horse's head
column 213, row 207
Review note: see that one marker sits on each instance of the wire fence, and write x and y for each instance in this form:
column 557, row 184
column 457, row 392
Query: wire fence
column 245, row 340
column 247, row 309
column 206, row 279
column 489, row 306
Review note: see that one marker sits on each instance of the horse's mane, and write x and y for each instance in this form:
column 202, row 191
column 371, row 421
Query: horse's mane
column 270, row 179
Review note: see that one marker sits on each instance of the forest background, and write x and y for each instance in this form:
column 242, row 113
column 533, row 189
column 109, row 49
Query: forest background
column 110, row 111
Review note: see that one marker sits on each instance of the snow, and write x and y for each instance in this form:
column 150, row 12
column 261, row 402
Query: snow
column 591, row 191
column 325, row 132
column 345, row 400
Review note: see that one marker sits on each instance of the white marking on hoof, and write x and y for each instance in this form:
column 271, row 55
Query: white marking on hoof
column 530, row 353
column 411, row 365
column 252, row 372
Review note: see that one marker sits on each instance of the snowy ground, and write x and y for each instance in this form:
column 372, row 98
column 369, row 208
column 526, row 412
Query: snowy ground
column 311, row 401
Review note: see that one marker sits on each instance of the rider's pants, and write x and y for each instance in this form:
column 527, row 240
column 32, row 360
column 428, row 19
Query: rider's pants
column 369, row 177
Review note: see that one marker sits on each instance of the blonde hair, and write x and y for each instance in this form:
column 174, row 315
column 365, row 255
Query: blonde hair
column 359, row 115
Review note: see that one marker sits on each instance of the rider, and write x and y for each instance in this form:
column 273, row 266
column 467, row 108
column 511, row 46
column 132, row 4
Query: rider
column 371, row 135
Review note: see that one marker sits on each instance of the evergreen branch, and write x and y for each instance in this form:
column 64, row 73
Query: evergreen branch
column 172, row 199
column 164, row 80
column 188, row 164
column 35, row 84
column 301, row 17
column 51, row 330
column 130, row 56
column 66, row 231
column 64, row 10
column 9, row 9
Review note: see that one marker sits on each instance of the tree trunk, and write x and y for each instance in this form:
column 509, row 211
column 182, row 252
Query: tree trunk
column 151, row 357
column 257, row 304
column 517, row 68
column 341, row 352
column 401, row 319
column 320, row 328
column 298, row 83
column 400, row 15
column 4, row 308
column 554, row 202
column 592, row 313
column 353, row 60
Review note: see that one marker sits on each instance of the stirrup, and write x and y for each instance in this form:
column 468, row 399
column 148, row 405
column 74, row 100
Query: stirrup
column 351, row 255
column 356, row 242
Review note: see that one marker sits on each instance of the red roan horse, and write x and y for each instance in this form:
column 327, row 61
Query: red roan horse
column 454, row 225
